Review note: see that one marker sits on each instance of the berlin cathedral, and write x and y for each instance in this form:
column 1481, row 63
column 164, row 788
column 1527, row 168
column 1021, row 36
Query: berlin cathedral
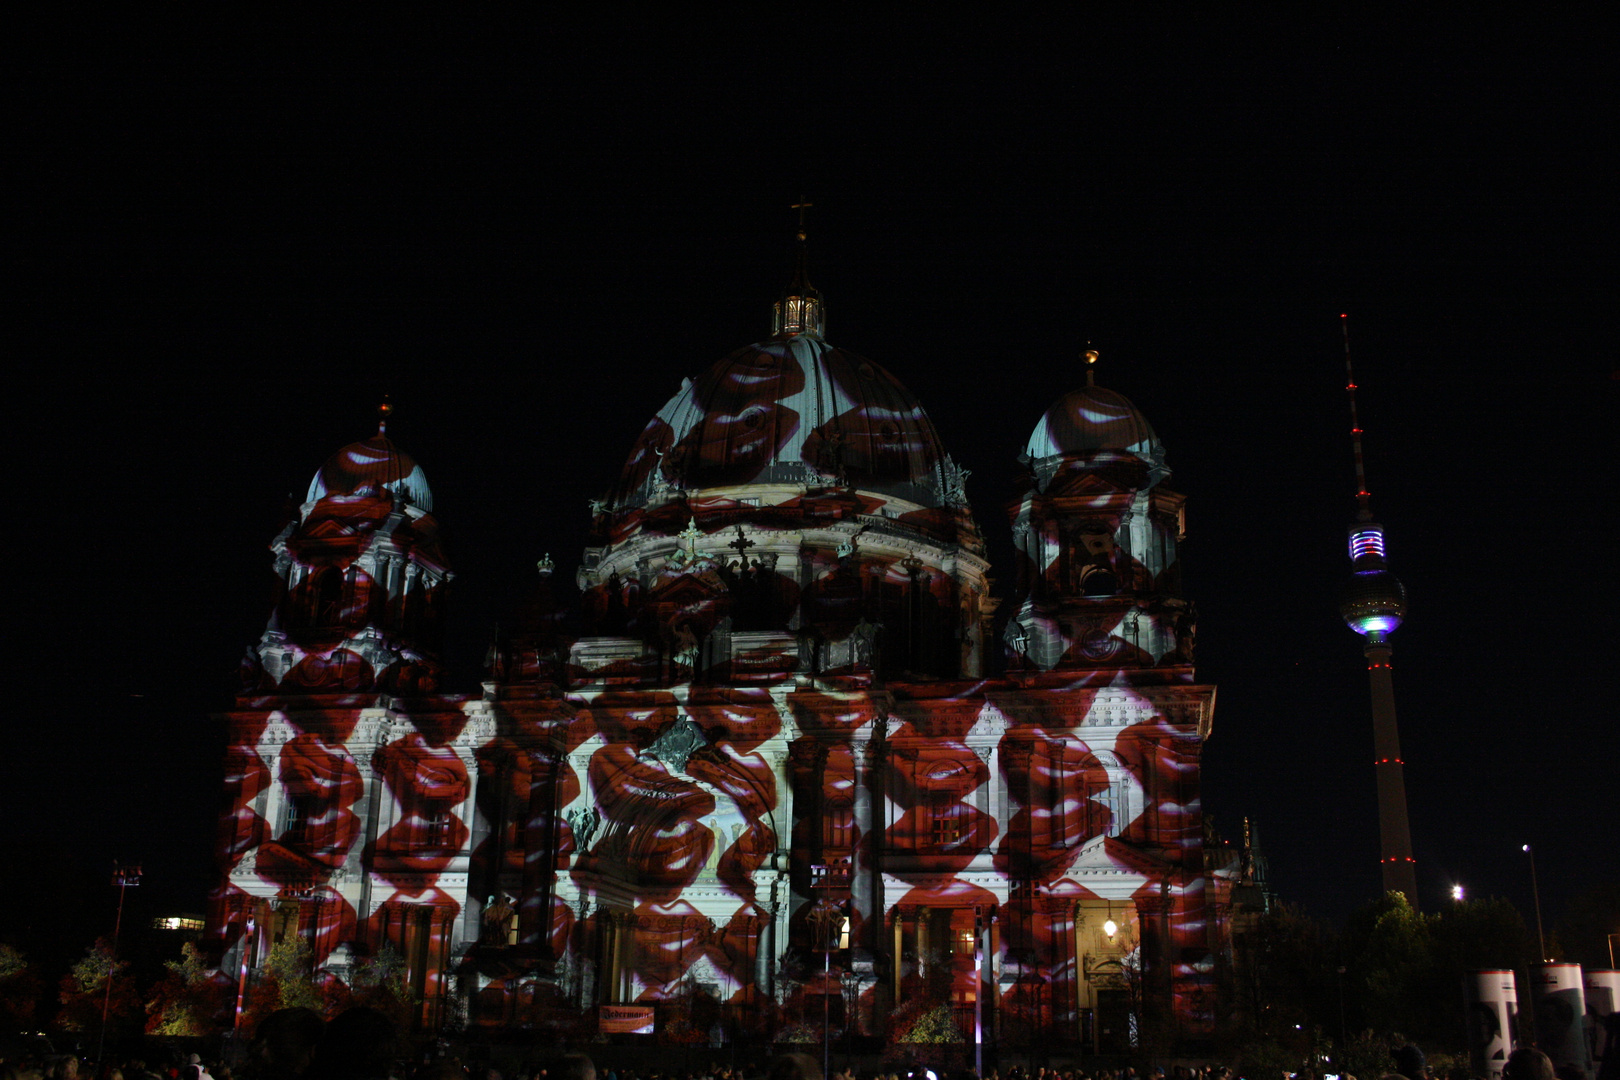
column 785, row 756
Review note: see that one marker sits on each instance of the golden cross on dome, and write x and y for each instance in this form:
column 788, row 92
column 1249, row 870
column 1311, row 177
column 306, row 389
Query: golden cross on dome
column 801, row 206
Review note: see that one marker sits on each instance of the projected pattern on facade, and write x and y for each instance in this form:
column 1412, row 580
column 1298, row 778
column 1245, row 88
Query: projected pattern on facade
column 778, row 716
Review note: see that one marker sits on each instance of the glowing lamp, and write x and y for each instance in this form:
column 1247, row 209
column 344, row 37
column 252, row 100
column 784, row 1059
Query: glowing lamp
column 1110, row 928
column 1456, row 892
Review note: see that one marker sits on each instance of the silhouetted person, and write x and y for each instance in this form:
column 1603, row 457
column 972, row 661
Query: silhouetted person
column 361, row 1044
column 1410, row 1063
column 574, row 1066
column 793, row 1067
column 1610, row 1067
column 285, row 1043
column 570, row 1066
column 1528, row 1064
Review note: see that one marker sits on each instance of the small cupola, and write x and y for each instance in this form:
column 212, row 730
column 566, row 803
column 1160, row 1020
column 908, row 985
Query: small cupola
column 800, row 311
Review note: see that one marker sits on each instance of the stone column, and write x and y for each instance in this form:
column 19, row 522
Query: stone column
column 778, row 756
column 899, row 952
column 626, row 953
column 369, row 813
column 539, row 848
column 765, row 953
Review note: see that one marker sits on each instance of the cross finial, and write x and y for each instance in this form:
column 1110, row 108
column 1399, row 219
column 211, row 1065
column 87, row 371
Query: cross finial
column 690, row 534
column 801, row 206
column 742, row 544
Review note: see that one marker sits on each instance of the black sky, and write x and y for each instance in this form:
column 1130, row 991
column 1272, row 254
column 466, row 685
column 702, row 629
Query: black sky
column 227, row 241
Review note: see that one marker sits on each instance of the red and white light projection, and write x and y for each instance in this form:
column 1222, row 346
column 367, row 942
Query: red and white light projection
column 776, row 774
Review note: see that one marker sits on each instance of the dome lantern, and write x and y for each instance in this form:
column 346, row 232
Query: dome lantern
column 800, row 310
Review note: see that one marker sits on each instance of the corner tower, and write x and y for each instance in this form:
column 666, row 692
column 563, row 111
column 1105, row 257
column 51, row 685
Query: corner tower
column 1097, row 529
column 361, row 580
column 350, row 781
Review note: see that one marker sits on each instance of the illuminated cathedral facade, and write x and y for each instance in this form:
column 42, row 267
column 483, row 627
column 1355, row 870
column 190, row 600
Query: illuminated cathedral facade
column 786, row 762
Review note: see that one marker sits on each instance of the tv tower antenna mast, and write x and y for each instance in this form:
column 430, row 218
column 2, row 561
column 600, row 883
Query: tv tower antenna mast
column 1373, row 606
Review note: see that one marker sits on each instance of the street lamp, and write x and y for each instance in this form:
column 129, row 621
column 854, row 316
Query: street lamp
column 123, row 876
column 1457, row 893
column 978, row 992
column 1535, row 889
column 831, row 925
column 1344, row 1031
column 851, row 981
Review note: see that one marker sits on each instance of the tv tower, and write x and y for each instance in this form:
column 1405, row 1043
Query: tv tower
column 1374, row 603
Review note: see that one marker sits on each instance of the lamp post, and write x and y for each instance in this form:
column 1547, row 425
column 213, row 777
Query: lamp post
column 852, row 989
column 1535, row 890
column 1611, row 938
column 978, row 992
column 1344, row 1032
column 123, row 877
column 830, row 923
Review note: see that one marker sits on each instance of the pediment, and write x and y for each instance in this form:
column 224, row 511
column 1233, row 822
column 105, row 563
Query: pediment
column 326, row 530
column 683, row 590
column 1110, row 855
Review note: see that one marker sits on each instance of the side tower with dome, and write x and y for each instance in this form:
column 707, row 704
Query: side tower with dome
column 778, row 774
column 1097, row 529
column 349, row 775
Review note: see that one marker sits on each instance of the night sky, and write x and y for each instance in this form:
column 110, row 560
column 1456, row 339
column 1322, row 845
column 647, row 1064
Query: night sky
column 227, row 242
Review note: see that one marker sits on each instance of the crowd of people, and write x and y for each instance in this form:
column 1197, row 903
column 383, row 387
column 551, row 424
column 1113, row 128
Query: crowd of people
column 363, row 1044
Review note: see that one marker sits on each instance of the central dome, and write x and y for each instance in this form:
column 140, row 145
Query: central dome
column 793, row 410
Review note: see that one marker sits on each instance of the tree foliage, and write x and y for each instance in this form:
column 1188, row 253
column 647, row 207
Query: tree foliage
column 937, row 1025
column 284, row 981
column 1393, row 974
column 84, row 990
column 192, row 999
column 380, row 982
column 1283, row 977
column 19, row 990
column 1389, row 957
